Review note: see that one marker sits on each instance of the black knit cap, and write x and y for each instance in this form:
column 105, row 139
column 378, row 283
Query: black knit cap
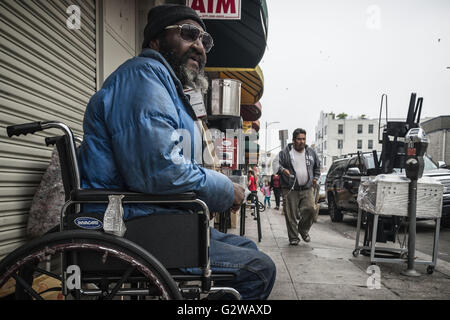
column 165, row 15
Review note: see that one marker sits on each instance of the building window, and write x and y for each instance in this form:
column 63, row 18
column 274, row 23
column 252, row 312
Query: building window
column 340, row 144
column 340, row 129
column 325, row 131
column 370, row 128
column 360, row 128
column 370, row 144
column 324, row 161
column 359, row 144
column 324, row 145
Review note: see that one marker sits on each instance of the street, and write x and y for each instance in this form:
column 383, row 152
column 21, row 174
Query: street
column 424, row 236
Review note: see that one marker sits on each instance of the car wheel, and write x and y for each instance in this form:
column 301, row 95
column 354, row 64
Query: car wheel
column 335, row 213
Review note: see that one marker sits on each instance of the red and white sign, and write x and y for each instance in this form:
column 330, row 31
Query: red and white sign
column 217, row 9
column 226, row 150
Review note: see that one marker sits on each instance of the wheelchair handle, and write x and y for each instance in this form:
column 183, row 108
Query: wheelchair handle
column 32, row 127
column 25, row 128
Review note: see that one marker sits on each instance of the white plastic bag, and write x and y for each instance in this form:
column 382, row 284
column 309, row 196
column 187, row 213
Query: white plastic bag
column 113, row 219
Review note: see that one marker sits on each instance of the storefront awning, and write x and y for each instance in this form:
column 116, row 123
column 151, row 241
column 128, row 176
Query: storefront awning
column 239, row 43
column 251, row 112
column 252, row 87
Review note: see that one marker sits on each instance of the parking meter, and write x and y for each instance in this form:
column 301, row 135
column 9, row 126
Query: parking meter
column 416, row 143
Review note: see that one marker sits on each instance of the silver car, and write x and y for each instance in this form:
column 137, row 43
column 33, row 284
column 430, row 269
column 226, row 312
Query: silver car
column 323, row 204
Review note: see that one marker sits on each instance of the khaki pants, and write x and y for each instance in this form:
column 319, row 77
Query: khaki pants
column 298, row 209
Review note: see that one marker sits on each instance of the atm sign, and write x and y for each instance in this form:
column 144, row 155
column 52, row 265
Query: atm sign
column 217, row 9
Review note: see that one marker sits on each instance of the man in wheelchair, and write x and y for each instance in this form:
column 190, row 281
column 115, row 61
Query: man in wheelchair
column 131, row 141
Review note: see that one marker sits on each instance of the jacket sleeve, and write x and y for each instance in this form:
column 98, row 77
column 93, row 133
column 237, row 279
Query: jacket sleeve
column 317, row 166
column 146, row 147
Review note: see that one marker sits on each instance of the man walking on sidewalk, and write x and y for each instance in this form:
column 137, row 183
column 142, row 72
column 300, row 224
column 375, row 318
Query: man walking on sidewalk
column 299, row 169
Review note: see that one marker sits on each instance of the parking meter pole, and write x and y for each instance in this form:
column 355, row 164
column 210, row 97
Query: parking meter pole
column 416, row 143
column 412, row 229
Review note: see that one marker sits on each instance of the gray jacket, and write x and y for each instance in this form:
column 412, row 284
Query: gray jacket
column 284, row 161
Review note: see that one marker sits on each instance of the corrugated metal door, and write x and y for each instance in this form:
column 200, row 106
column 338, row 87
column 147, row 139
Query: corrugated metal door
column 47, row 72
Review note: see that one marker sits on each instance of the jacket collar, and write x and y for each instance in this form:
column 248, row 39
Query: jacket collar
column 153, row 54
column 289, row 148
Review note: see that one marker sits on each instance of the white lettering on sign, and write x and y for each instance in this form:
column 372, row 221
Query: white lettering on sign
column 217, row 9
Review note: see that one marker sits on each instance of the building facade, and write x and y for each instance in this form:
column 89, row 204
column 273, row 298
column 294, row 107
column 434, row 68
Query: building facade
column 337, row 137
column 438, row 131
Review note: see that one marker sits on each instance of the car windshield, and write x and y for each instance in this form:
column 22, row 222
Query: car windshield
column 370, row 161
column 429, row 164
column 322, row 178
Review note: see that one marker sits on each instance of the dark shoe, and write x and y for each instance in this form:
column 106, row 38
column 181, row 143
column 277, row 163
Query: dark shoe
column 294, row 242
column 306, row 237
column 220, row 295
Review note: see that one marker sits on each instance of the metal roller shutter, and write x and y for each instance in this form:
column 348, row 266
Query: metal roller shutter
column 47, row 72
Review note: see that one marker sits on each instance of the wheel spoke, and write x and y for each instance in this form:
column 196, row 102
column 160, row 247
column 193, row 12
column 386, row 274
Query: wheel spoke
column 48, row 273
column 119, row 284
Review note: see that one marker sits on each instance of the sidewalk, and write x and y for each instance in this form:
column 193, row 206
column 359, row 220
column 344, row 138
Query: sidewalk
column 326, row 269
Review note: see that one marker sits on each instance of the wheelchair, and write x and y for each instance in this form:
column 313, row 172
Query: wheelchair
column 148, row 263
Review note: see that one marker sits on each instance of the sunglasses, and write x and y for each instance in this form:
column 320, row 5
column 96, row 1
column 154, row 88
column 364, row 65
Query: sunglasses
column 191, row 33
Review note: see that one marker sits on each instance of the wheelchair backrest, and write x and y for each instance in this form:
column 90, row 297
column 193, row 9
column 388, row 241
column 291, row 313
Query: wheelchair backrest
column 69, row 178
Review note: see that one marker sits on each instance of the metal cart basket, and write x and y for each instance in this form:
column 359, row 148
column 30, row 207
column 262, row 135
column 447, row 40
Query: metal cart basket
column 387, row 195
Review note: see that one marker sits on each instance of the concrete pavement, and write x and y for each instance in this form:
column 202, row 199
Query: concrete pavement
column 326, row 269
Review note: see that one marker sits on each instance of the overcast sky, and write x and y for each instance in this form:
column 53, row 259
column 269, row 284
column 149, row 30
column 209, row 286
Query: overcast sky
column 342, row 55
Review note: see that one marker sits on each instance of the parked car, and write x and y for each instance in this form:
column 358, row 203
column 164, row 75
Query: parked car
column 344, row 176
column 323, row 204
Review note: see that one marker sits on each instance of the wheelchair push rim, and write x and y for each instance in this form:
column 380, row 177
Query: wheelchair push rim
column 134, row 265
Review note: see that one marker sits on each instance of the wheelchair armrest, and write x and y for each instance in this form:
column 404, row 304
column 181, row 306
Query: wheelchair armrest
column 102, row 195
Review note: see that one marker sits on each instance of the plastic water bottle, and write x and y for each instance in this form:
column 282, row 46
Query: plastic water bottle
column 113, row 219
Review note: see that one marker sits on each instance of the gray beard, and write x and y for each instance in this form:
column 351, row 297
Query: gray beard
column 188, row 78
column 194, row 79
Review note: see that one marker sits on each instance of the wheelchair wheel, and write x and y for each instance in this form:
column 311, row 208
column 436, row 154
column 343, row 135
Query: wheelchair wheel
column 84, row 265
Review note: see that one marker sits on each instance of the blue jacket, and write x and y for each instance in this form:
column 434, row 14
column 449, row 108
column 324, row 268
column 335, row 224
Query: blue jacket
column 130, row 140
